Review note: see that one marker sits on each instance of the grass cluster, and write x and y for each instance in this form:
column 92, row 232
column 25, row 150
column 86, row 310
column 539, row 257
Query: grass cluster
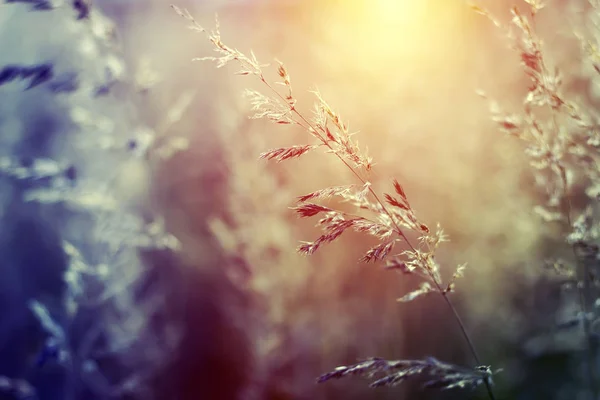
column 88, row 310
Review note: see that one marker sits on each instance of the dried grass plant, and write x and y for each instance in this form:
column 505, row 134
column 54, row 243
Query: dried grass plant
column 388, row 217
column 559, row 132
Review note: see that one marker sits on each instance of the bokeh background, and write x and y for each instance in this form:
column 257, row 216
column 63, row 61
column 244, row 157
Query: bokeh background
column 255, row 319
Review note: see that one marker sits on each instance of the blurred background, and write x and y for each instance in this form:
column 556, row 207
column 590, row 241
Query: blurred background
column 256, row 320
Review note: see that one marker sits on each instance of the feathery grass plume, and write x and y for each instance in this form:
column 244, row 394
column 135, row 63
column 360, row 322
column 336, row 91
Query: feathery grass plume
column 36, row 5
column 81, row 7
column 441, row 375
column 560, row 136
column 286, row 153
column 36, row 74
column 388, row 220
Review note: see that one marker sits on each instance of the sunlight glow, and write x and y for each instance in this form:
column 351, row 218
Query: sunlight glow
column 376, row 34
column 403, row 23
column 403, row 14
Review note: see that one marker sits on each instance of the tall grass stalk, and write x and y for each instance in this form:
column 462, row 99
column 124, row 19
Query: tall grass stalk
column 386, row 220
column 561, row 140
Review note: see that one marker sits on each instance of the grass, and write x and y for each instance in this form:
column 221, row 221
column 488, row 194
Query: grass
column 93, row 330
column 390, row 220
column 301, row 316
column 560, row 137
